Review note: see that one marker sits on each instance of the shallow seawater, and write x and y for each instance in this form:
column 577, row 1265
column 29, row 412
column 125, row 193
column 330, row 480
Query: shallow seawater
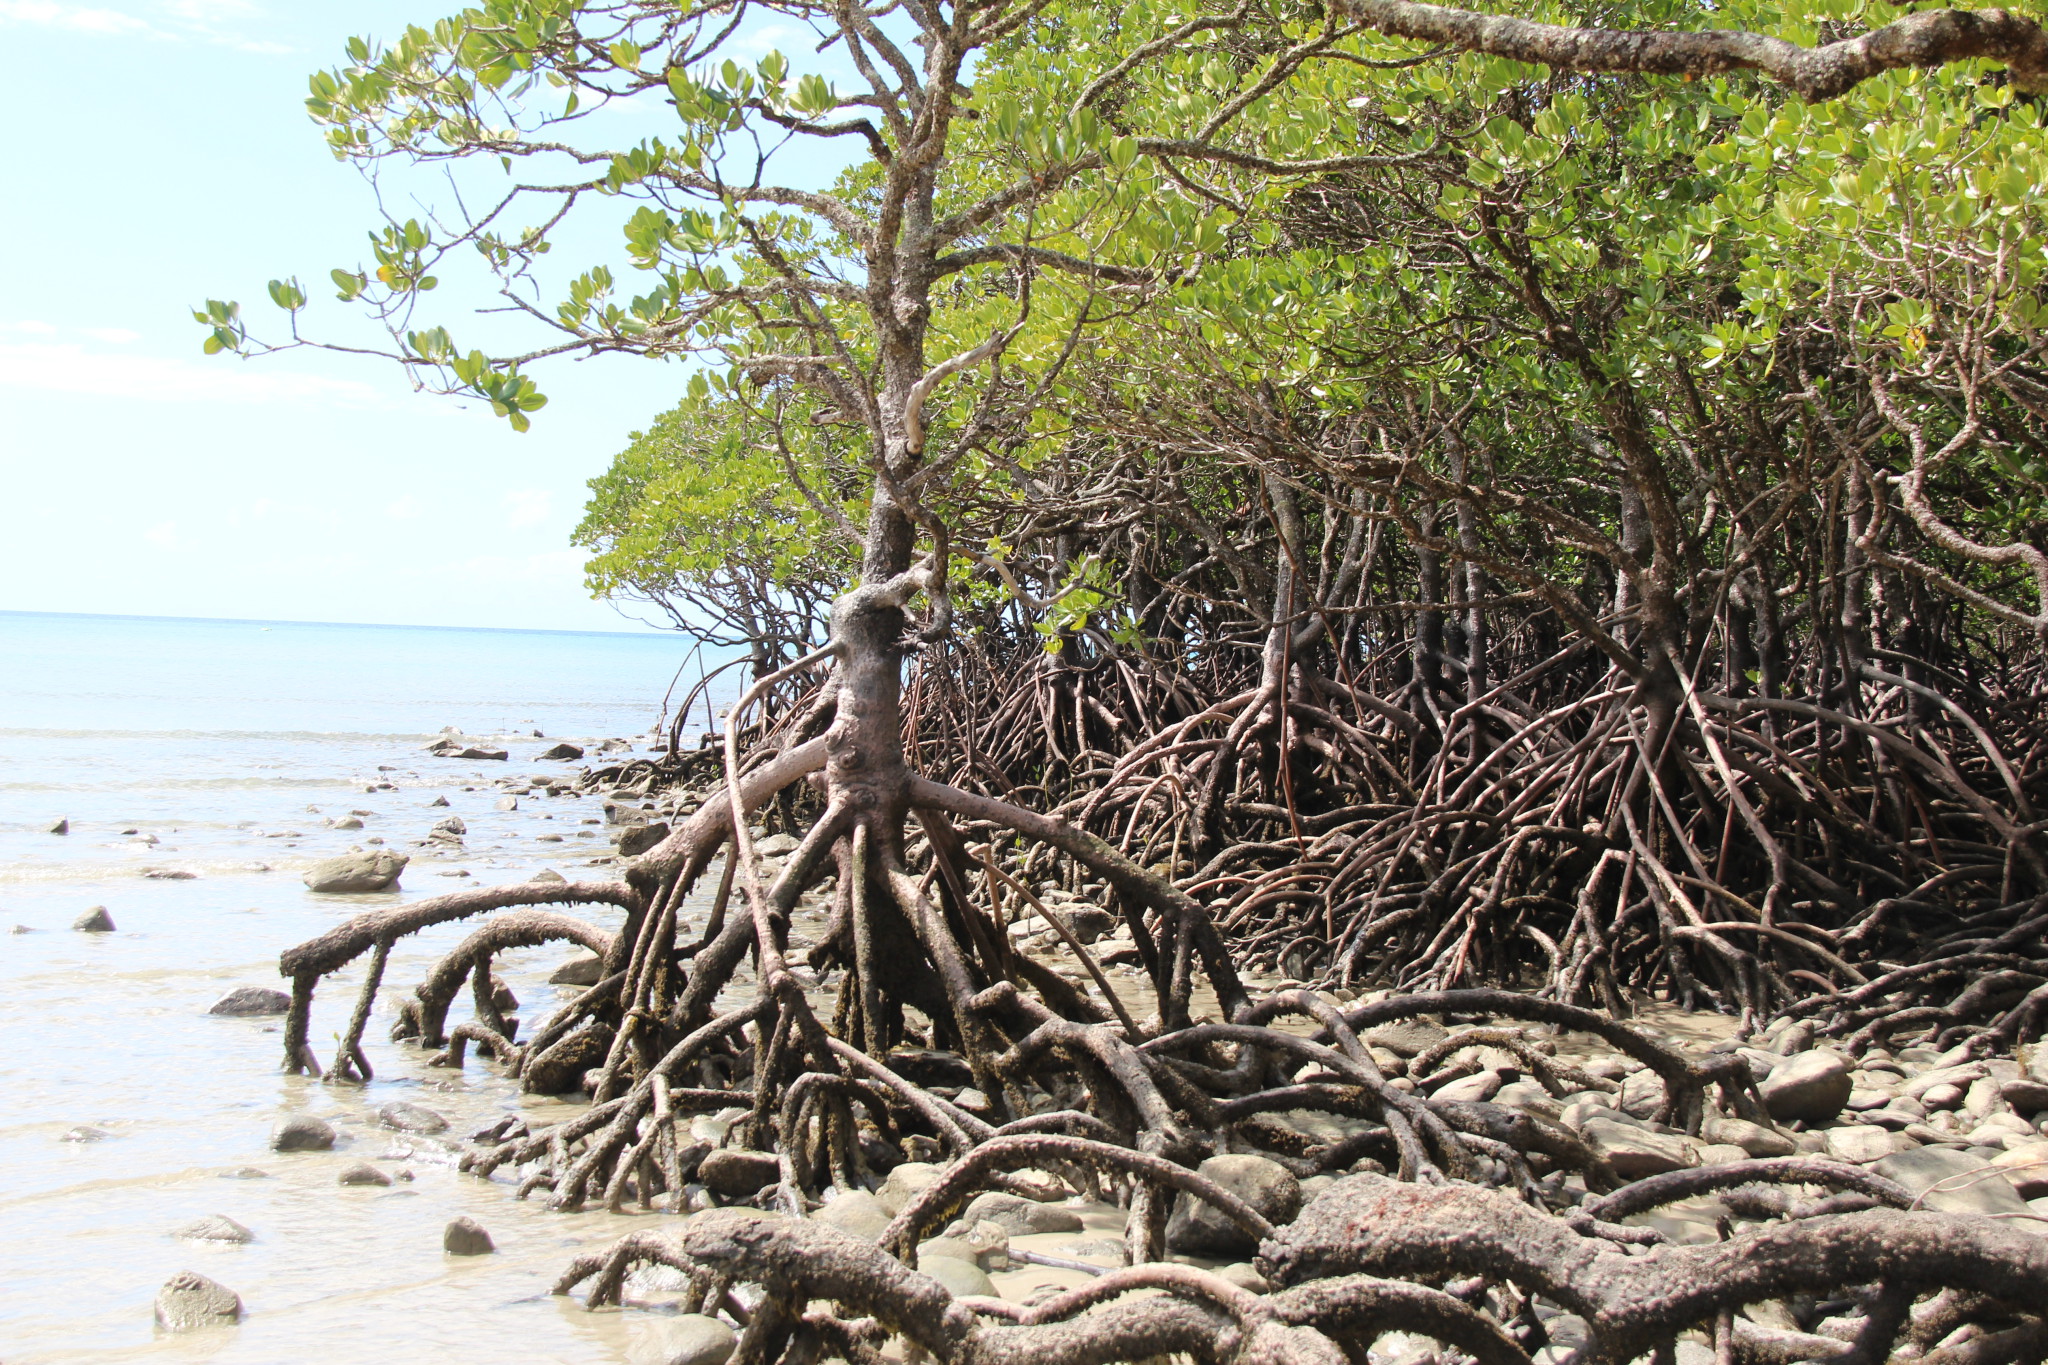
column 230, row 744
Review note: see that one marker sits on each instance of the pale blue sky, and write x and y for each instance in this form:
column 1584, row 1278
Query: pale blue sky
column 159, row 154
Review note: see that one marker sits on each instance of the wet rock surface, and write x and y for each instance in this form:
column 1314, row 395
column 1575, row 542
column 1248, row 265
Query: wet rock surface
column 190, row 1301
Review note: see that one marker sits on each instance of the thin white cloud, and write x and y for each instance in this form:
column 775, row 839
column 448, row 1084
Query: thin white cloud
column 30, row 326
column 63, row 367
column 119, row 336
column 527, row 506
column 71, row 18
column 206, row 21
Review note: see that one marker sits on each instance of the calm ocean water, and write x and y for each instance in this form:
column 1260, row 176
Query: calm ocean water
column 221, row 749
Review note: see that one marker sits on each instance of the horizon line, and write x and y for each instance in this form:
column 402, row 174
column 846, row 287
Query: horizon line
column 343, row 625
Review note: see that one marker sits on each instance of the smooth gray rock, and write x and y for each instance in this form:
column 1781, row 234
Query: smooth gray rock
column 60, row 827
column 579, row 971
column 635, row 840
column 736, row 1172
column 94, row 921
column 508, row 803
column 354, row 874
column 1949, row 1181
column 411, row 1118
column 1752, row 1138
column 466, row 1237
column 189, row 1301
column 1863, row 1143
column 550, row 877
column 776, row 846
column 303, row 1133
column 252, row 1000
column 687, row 1339
column 1198, row 1229
column 345, row 822
column 566, row 753
column 960, row 1278
column 363, row 1173
column 1635, row 1152
column 1812, row 1086
column 1474, row 1089
column 857, row 1213
column 905, row 1182
column 2025, row 1094
column 214, row 1228
column 1406, row 1037
column 1018, row 1215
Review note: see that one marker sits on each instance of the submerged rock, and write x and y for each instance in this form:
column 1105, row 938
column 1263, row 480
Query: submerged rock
column 357, row 873
column 686, row 1339
column 466, row 1237
column 252, row 1000
column 190, row 1301
column 567, row 753
column 94, row 921
column 60, row 827
column 411, row 1118
column 214, row 1228
column 579, row 971
column 303, row 1133
column 85, row 1132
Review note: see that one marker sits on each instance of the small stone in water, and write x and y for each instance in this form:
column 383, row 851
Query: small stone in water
column 85, row 1132
column 61, row 827
column 363, row 1173
column 245, row 1173
column 411, row 1118
column 438, row 801
column 214, row 1228
column 466, row 1237
column 252, row 1000
column 302, row 1133
column 94, row 921
column 190, row 1300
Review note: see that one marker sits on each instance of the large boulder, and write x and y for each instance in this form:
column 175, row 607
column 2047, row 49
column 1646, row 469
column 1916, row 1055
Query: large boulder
column 355, row 874
column 190, row 1301
column 1197, row 1228
column 1812, row 1086
column 252, row 1000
